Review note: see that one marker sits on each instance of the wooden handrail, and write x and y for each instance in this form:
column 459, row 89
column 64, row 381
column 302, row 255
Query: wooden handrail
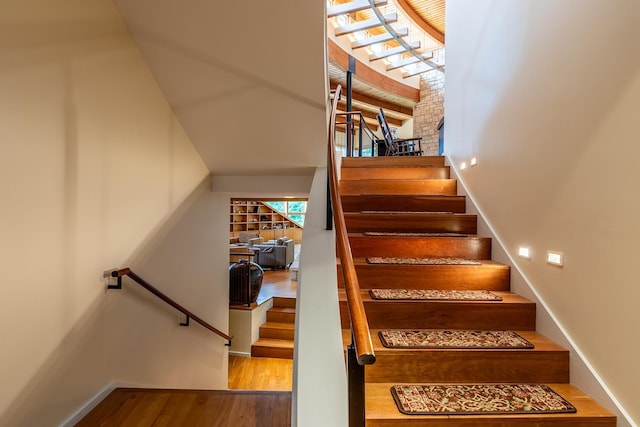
column 359, row 324
column 140, row 281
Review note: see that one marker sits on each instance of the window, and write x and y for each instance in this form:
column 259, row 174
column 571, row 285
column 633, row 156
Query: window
column 294, row 210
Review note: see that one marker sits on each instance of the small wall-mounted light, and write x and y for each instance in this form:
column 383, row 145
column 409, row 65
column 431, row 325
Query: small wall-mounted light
column 463, row 165
column 474, row 161
column 524, row 252
column 555, row 258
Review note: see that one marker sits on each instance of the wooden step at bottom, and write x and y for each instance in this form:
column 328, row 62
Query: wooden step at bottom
column 469, row 247
column 278, row 349
column 284, row 302
column 513, row 312
column 403, row 202
column 489, row 275
column 381, row 411
column 281, row 314
column 546, row 362
column 392, row 161
column 277, row 330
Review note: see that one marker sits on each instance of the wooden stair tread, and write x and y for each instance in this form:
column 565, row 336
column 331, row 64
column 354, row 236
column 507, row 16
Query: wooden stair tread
column 396, row 172
column 289, row 310
column 381, row 410
column 513, row 312
column 406, row 202
column 434, row 222
column 483, row 263
column 392, row 161
column 507, row 298
column 272, row 342
column 278, row 325
column 399, row 186
column 540, row 342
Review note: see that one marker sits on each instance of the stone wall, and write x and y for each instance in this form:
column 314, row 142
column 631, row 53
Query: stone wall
column 428, row 112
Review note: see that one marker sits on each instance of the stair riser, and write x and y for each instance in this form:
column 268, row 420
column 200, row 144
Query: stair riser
column 431, row 223
column 434, row 186
column 277, row 333
column 405, row 203
column 276, row 353
column 446, row 315
column 419, row 247
column 284, row 302
column 430, row 172
column 282, row 317
column 366, row 162
column 491, row 278
column 444, row 366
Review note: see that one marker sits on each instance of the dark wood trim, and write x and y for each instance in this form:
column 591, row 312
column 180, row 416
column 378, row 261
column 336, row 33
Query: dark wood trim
column 140, row 281
column 378, row 103
column 368, row 75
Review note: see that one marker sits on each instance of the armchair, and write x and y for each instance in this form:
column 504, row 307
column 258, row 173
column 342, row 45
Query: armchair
column 276, row 253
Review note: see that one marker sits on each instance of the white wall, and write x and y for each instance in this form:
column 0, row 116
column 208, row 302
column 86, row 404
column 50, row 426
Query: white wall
column 245, row 78
column 546, row 93
column 319, row 373
column 95, row 173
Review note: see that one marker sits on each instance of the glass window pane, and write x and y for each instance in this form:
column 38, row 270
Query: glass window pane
column 297, row 206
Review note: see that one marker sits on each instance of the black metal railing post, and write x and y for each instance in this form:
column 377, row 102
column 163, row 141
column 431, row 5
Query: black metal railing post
column 355, row 378
column 349, row 128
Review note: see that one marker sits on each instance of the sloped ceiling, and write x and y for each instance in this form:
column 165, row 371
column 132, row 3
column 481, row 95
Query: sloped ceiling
column 246, row 79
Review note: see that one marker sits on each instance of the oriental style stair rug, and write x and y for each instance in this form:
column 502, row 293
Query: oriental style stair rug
column 421, row 261
column 433, row 294
column 458, row 339
column 479, row 399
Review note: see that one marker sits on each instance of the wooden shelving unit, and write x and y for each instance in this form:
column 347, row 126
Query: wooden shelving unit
column 250, row 215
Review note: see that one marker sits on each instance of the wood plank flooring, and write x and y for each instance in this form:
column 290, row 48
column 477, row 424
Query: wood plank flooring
column 261, row 373
column 142, row 408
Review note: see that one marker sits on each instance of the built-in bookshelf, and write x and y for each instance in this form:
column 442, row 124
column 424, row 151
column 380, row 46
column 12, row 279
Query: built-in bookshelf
column 250, row 215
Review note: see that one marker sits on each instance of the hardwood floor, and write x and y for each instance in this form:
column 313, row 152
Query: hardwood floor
column 142, row 408
column 261, row 373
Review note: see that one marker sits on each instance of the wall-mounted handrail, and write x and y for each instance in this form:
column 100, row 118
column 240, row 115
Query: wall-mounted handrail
column 140, row 281
column 358, row 318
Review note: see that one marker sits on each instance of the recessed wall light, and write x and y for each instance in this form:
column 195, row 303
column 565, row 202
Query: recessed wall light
column 463, row 165
column 474, row 161
column 555, row 258
column 524, row 252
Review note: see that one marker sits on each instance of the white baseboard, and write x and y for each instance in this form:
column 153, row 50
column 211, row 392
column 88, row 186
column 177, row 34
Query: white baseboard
column 92, row 403
column 239, row 353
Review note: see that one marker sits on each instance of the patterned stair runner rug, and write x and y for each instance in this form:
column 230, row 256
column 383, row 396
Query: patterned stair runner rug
column 442, row 338
column 479, row 399
column 422, row 261
column 433, row 294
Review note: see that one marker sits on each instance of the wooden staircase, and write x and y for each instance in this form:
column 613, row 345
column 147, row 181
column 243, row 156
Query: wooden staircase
column 276, row 334
column 416, row 194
